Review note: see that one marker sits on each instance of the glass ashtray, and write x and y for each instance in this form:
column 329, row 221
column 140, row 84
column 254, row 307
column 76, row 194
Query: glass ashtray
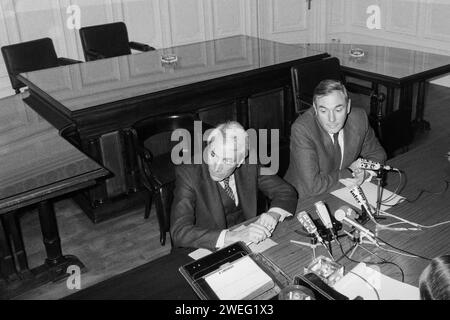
column 169, row 58
column 357, row 52
column 328, row 270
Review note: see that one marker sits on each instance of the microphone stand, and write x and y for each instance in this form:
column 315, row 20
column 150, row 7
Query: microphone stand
column 380, row 178
column 358, row 240
column 313, row 245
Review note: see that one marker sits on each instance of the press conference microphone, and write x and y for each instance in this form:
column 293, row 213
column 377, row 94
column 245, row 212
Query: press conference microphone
column 309, row 225
column 360, row 197
column 344, row 213
column 372, row 165
column 324, row 216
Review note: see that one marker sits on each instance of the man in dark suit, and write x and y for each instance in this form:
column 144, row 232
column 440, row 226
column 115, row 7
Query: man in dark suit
column 211, row 197
column 327, row 141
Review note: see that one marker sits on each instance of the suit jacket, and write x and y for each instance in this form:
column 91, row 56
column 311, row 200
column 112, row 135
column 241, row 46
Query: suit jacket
column 311, row 169
column 197, row 214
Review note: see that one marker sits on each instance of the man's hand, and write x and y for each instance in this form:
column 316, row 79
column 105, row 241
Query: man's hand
column 360, row 176
column 254, row 232
column 356, row 165
column 269, row 220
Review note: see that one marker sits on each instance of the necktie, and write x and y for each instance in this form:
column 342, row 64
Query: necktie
column 227, row 188
column 337, row 150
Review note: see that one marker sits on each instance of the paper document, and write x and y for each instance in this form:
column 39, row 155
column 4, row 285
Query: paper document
column 258, row 247
column 241, row 279
column 199, row 253
column 370, row 190
column 375, row 286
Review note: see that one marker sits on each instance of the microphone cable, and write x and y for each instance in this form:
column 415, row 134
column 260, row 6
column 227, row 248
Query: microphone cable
column 383, row 261
column 416, row 225
column 422, row 191
column 414, row 255
column 395, row 193
column 368, row 282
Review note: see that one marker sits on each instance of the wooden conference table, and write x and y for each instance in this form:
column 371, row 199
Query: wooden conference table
column 37, row 165
column 392, row 68
column 160, row 279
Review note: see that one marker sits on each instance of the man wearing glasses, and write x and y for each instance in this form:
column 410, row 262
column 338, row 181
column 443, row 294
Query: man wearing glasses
column 211, row 197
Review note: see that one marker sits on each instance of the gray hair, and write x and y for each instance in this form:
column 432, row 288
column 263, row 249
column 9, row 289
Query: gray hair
column 231, row 132
column 325, row 87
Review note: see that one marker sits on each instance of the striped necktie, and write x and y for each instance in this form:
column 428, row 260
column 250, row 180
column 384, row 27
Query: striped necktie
column 227, row 188
column 337, row 150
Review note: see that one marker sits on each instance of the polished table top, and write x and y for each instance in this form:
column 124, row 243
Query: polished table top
column 393, row 63
column 86, row 85
column 160, row 279
column 35, row 160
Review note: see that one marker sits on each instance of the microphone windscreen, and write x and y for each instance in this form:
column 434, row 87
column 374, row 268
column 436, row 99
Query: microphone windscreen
column 340, row 214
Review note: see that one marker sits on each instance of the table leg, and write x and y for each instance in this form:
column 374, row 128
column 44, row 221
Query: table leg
column 14, row 237
column 419, row 122
column 390, row 100
column 56, row 262
column 7, row 267
column 406, row 94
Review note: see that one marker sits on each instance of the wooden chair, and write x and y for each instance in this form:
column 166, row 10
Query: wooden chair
column 108, row 40
column 151, row 139
column 306, row 76
column 393, row 130
column 31, row 56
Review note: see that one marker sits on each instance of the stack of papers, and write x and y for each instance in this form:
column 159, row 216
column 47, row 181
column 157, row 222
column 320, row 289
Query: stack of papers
column 370, row 284
column 370, row 190
column 242, row 279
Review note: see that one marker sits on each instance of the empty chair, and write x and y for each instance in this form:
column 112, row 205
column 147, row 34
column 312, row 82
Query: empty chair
column 306, row 76
column 393, row 130
column 153, row 146
column 31, row 56
column 108, row 40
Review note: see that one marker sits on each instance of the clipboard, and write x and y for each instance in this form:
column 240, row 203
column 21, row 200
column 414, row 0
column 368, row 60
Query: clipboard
column 199, row 273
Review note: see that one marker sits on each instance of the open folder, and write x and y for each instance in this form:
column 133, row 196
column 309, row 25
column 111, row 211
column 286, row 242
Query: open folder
column 242, row 279
column 235, row 273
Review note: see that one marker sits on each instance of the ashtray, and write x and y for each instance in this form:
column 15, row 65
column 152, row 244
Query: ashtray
column 169, row 58
column 328, row 270
column 296, row 292
column 357, row 53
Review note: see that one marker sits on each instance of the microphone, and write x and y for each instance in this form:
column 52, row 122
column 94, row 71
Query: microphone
column 360, row 197
column 372, row 165
column 309, row 225
column 344, row 213
column 324, row 216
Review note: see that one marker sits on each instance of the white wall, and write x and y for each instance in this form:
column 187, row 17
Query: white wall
column 414, row 24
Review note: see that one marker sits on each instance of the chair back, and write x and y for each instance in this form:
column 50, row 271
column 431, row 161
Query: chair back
column 306, row 76
column 394, row 131
column 108, row 40
column 28, row 56
column 155, row 132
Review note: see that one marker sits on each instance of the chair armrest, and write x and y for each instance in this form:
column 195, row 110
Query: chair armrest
column 66, row 61
column 147, row 177
column 140, row 46
column 144, row 153
column 94, row 55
